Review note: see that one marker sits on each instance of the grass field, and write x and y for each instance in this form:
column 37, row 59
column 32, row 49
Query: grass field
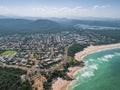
column 8, row 52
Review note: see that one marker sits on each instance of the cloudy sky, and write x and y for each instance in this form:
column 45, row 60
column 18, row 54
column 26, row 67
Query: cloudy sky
column 61, row 8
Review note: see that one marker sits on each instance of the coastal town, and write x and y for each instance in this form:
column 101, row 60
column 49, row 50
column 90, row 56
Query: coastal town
column 41, row 50
column 41, row 53
column 59, row 44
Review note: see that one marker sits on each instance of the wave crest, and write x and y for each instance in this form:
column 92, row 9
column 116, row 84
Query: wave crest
column 87, row 74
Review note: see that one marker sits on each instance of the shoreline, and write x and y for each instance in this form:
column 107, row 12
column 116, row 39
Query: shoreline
column 61, row 84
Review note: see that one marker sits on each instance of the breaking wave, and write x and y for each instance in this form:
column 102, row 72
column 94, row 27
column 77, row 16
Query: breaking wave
column 87, row 74
column 109, row 56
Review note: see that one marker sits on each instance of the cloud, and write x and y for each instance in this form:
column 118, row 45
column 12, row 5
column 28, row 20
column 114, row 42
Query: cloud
column 64, row 11
column 68, row 12
column 4, row 8
column 101, row 6
column 43, row 11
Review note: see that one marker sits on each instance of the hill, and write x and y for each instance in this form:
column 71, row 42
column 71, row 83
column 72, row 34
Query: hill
column 8, row 26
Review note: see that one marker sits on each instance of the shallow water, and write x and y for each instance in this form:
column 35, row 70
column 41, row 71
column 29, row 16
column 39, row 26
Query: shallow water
column 101, row 72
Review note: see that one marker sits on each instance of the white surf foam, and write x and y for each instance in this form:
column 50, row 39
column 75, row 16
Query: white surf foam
column 117, row 54
column 94, row 66
column 87, row 71
column 106, row 57
column 88, row 74
column 91, row 59
column 109, row 56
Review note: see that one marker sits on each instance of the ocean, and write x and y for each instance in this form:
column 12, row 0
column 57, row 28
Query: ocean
column 101, row 72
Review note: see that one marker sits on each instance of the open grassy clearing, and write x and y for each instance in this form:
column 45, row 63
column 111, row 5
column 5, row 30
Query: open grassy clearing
column 8, row 52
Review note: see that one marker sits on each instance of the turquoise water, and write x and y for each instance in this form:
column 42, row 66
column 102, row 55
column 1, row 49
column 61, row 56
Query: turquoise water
column 101, row 72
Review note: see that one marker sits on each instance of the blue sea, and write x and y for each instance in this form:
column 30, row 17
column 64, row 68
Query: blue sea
column 101, row 72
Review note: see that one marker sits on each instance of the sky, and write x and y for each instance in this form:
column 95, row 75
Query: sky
column 61, row 8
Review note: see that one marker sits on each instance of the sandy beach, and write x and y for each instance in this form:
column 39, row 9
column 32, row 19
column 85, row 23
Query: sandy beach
column 61, row 84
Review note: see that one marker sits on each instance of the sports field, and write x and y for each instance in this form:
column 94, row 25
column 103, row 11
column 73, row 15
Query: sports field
column 8, row 52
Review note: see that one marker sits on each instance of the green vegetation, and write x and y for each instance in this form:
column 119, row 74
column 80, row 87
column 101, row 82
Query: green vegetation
column 24, row 26
column 8, row 52
column 52, row 76
column 26, row 85
column 71, row 53
column 63, row 69
column 76, row 48
column 10, row 79
column 72, row 61
column 113, row 34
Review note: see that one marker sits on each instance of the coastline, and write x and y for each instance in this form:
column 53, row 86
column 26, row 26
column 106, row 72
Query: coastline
column 61, row 84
